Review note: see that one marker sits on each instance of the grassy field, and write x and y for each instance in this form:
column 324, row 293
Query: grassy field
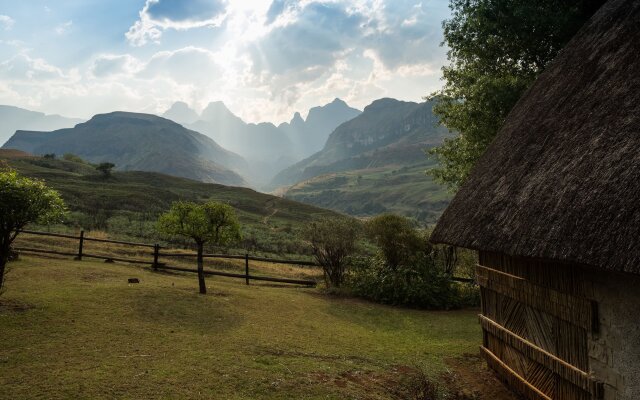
column 78, row 330
column 402, row 190
column 128, row 203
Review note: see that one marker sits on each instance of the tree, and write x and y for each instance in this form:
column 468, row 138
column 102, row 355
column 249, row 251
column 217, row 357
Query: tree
column 396, row 238
column 332, row 241
column 497, row 48
column 211, row 222
column 105, row 168
column 23, row 201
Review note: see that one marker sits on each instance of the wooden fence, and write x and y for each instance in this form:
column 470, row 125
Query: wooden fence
column 155, row 254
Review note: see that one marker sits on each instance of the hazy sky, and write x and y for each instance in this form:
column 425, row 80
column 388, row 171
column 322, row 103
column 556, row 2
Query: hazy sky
column 264, row 59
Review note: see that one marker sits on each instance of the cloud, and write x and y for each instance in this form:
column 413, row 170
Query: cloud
column 22, row 67
column 63, row 28
column 6, row 22
column 319, row 33
column 160, row 15
column 189, row 65
column 111, row 65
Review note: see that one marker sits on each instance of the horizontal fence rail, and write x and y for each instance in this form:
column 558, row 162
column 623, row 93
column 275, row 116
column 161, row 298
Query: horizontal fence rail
column 156, row 254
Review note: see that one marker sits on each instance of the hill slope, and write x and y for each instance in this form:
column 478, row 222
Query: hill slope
column 388, row 132
column 372, row 164
column 141, row 142
column 14, row 118
column 128, row 203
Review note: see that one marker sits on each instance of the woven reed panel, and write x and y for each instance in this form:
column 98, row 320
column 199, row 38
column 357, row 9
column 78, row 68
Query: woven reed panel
column 534, row 333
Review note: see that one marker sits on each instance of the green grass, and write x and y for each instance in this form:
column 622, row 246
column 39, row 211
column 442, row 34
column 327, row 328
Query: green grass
column 402, row 190
column 78, row 330
column 128, row 204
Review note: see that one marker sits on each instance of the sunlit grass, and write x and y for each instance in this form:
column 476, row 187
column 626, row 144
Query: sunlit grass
column 79, row 330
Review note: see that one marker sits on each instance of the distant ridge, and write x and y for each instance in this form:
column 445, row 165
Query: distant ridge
column 388, row 132
column 267, row 148
column 142, row 142
column 15, row 118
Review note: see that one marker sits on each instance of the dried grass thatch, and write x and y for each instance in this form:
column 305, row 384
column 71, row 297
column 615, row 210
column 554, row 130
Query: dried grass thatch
column 562, row 178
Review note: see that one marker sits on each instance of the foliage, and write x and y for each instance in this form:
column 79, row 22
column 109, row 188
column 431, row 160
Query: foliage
column 421, row 284
column 105, row 168
column 49, row 156
column 396, row 238
column 497, row 49
column 209, row 222
column 408, row 270
column 74, row 158
column 23, row 201
column 332, row 241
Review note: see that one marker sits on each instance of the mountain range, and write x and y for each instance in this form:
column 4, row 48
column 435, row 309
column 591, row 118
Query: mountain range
column 388, row 132
column 14, row 118
column 373, row 163
column 141, row 142
column 267, row 148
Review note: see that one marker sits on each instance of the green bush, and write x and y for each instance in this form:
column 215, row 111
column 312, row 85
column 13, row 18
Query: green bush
column 421, row 284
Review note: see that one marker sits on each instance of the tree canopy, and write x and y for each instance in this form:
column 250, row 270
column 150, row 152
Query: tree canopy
column 24, row 201
column 211, row 222
column 497, row 48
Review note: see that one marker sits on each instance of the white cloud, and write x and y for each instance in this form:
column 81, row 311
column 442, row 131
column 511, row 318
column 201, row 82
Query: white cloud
column 160, row 15
column 6, row 22
column 115, row 64
column 63, row 28
column 22, row 67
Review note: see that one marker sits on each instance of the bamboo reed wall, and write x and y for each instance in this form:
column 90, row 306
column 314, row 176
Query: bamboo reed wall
column 536, row 320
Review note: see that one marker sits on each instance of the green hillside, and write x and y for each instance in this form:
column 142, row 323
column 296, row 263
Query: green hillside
column 403, row 190
column 128, row 203
column 139, row 142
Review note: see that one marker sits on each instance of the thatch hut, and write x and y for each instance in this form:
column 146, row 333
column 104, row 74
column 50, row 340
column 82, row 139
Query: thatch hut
column 553, row 208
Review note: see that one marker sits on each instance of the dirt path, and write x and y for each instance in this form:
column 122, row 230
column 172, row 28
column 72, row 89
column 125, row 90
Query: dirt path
column 470, row 376
column 266, row 219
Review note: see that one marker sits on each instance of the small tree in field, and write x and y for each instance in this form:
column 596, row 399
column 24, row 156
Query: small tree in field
column 396, row 238
column 210, row 222
column 105, row 168
column 332, row 241
column 23, row 201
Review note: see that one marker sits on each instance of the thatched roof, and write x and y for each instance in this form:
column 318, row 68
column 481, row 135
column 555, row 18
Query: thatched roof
column 562, row 178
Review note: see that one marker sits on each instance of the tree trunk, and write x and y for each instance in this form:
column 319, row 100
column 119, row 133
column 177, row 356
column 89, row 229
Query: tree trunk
column 201, row 282
column 4, row 258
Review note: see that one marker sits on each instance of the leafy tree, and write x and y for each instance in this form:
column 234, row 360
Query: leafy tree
column 497, row 48
column 49, row 156
column 396, row 238
column 211, row 222
column 105, row 168
column 332, row 241
column 23, row 201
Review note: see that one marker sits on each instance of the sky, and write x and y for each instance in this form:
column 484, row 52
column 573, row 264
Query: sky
column 264, row 59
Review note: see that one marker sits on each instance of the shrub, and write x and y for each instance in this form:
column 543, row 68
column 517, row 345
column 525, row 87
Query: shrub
column 332, row 241
column 420, row 284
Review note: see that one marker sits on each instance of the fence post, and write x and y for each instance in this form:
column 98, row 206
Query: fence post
column 156, row 251
column 80, row 244
column 246, row 267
